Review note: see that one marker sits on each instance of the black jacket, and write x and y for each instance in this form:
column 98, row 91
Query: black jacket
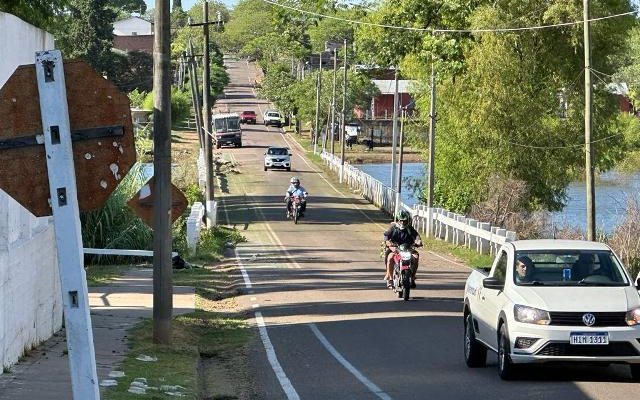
column 408, row 235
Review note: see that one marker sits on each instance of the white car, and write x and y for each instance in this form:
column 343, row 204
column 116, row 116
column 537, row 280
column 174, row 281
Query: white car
column 272, row 117
column 552, row 301
column 277, row 157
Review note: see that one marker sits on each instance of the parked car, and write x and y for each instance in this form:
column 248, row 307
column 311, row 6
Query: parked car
column 277, row 157
column 545, row 301
column 248, row 117
column 272, row 117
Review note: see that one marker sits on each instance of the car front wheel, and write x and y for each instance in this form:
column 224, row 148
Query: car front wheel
column 506, row 368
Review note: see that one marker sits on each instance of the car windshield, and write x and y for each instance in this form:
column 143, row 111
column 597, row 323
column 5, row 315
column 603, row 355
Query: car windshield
column 273, row 114
column 568, row 268
column 248, row 113
column 277, row 152
column 226, row 124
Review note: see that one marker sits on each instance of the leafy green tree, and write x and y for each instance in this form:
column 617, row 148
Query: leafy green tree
column 133, row 71
column 499, row 94
column 88, row 34
column 629, row 72
column 277, row 87
column 180, row 104
column 250, row 19
column 41, row 13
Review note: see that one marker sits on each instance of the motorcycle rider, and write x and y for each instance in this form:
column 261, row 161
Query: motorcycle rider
column 296, row 190
column 401, row 232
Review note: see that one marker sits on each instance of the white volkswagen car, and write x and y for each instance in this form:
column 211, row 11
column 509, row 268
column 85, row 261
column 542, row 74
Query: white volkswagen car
column 552, row 301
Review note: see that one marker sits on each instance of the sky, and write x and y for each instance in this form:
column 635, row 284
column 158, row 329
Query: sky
column 187, row 4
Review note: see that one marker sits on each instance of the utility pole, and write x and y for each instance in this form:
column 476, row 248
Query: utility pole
column 162, row 267
column 343, row 114
column 206, row 97
column 195, row 96
column 588, row 88
column 333, row 100
column 432, row 137
column 318, row 93
column 394, row 132
column 399, row 179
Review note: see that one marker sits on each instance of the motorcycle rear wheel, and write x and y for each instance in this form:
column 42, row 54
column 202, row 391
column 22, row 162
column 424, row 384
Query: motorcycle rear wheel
column 296, row 214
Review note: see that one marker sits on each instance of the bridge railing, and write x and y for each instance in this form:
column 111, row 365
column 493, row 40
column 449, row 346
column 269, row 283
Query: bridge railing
column 433, row 222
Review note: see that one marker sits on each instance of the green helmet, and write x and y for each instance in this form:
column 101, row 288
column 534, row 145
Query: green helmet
column 403, row 216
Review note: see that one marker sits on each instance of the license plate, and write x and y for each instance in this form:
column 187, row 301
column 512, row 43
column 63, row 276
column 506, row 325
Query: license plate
column 589, row 338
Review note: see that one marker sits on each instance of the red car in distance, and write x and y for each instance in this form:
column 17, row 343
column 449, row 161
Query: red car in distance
column 248, row 117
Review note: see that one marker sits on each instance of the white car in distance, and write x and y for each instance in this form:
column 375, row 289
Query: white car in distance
column 552, row 301
column 277, row 157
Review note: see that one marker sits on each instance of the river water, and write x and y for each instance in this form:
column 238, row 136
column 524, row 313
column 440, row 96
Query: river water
column 612, row 191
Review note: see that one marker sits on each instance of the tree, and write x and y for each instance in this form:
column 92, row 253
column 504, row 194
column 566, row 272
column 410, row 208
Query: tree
column 88, row 34
column 499, row 93
column 133, row 71
column 41, row 13
column 629, row 71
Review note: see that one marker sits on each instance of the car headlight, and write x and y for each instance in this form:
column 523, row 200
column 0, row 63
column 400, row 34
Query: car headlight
column 530, row 315
column 633, row 317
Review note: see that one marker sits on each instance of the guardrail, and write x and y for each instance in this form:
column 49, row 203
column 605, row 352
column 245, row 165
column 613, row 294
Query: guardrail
column 433, row 222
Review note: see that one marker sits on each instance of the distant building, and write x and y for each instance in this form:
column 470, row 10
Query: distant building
column 382, row 105
column 133, row 34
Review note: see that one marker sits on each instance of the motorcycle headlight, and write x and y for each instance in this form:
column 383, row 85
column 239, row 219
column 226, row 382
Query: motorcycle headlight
column 633, row 317
column 530, row 315
column 405, row 255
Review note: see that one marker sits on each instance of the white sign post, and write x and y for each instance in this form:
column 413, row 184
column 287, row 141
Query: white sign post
column 66, row 215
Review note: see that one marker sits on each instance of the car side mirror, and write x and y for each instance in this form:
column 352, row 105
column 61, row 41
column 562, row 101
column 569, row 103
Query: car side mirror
column 290, row 154
column 493, row 283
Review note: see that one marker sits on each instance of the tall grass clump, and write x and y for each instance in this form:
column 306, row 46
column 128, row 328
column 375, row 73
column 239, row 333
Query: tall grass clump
column 625, row 240
column 115, row 225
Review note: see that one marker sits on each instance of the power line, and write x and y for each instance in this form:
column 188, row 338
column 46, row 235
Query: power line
column 433, row 31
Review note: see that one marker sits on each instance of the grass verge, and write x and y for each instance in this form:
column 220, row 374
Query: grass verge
column 462, row 254
column 206, row 344
column 100, row 275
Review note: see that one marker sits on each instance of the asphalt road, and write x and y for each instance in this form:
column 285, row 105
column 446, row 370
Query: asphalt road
column 329, row 329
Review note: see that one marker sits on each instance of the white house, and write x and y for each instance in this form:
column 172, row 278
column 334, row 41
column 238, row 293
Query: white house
column 30, row 296
column 133, row 26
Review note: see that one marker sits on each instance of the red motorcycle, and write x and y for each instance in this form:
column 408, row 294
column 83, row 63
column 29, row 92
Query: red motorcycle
column 296, row 208
column 403, row 267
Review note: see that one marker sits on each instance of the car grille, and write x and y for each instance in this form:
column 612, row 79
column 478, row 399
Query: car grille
column 564, row 349
column 575, row 318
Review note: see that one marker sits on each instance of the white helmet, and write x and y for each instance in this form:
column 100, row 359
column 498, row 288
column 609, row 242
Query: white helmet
column 294, row 180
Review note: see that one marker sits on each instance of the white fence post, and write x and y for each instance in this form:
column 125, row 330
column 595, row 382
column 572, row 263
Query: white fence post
column 484, row 244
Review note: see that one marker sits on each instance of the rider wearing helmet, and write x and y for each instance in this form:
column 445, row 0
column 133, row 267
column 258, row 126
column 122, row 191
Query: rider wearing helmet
column 401, row 232
column 295, row 190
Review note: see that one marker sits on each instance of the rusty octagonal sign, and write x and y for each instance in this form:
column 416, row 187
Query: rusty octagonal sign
column 142, row 202
column 101, row 130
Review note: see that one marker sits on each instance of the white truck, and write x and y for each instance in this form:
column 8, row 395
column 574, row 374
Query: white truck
column 552, row 301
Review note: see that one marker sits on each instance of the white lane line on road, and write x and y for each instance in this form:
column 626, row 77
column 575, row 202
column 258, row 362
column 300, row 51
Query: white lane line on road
column 285, row 383
column 370, row 385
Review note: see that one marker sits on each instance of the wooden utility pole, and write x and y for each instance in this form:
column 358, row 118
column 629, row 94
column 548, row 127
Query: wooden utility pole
column 394, row 131
column 432, row 138
column 318, row 93
column 399, row 178
column 343, row 113
column 206, row 105
column 195, row 97
column 333, row 100
column 588, row 89
column 162, row 267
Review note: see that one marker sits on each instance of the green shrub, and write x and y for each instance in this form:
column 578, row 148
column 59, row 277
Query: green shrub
column 180, row 105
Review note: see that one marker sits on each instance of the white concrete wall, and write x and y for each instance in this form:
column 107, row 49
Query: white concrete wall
column 30, row 298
